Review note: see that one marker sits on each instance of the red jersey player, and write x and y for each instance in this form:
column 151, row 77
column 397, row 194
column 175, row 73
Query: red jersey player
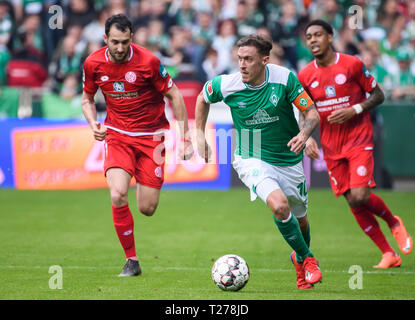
column 134, row 84
column 338, row 83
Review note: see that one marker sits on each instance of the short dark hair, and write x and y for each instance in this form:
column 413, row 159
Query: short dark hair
column 318, row 22
column 263, row 45
column 120, row 21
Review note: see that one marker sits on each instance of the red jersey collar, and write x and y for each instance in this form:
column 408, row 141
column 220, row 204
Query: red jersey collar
column 131, row 54
column 337, row 60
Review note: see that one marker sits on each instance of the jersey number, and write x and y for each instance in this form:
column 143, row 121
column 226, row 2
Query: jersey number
column 302, row 188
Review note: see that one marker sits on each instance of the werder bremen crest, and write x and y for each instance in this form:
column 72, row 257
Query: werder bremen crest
column 274, row 99
column 261, row 116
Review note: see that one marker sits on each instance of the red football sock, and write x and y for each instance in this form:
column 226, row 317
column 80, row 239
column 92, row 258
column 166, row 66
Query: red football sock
column 124, row 226
column 370, row 226
column 376, row 205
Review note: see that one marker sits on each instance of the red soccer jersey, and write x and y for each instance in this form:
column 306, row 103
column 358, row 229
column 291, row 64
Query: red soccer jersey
column 133, row 90
column 340, row 85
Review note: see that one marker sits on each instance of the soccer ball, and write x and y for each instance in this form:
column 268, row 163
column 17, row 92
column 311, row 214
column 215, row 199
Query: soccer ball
column 230, row 272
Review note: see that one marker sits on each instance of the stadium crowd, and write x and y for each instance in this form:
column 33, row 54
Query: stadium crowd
column 195, row 39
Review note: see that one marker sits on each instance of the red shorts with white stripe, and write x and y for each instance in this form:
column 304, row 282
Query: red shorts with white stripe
column 353, row 171
column 142, row 156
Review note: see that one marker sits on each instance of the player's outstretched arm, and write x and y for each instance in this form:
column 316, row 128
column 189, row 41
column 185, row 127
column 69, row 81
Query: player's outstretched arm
column 307, row 126
column 90, row 112
column 201, row 115
column 179, row 110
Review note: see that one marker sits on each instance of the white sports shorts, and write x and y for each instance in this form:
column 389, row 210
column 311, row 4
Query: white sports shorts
column 263, row 178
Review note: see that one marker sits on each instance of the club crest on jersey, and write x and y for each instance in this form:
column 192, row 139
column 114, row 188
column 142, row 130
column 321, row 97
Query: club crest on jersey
column 274, row 99
column 330, row 91
column 340, row 79
column 118, row 86
column 130, row 77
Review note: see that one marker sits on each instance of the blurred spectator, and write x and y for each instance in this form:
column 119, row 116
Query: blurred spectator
column 404, row 80
column 390, row 15
column 388, row 49
column 70, row 87
column 140, row 36
column 332, row 14
column 157, row 36
column 215, row 7
column 66, row 62
column 255, row 15
column 6, row 23
column 223, row 43
column 149, row 10
column 204, row 31
column 185, row 15
column 4, row 60
column 117, row 7
column 30, row 26
column 94, row 31
column 348, row 39
column 23, row 7
column 369, row 56
column 286, row 32
column 27, row 67
column 210, row 64
column 244, row 25
column 79, row 12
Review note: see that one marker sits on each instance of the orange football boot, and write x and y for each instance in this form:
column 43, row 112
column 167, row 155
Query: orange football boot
column 389, row 260
column 402, row 237
column 301, row 283
column 311, row 270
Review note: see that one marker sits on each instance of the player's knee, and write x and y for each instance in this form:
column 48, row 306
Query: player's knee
column 118, row 198
column 147, row 209
column 281, row 210
column 358, row 199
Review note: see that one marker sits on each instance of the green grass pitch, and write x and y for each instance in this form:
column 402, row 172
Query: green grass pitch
column 178, row 245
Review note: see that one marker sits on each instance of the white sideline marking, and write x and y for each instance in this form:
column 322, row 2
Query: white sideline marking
column 203, row 269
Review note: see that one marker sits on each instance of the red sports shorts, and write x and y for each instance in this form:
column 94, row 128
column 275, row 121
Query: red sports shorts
column 353, row 171
column 142, row 157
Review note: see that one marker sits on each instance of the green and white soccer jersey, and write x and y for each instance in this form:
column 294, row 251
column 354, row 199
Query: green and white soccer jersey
column 263, row 116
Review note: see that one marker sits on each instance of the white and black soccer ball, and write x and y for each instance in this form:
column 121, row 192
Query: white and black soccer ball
column 230, row 272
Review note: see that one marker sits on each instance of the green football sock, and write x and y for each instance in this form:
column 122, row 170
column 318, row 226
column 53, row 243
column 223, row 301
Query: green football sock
column 291, row 232
column 307, row 239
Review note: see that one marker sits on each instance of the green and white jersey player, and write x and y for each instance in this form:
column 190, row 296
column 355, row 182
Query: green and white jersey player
column 270, row 142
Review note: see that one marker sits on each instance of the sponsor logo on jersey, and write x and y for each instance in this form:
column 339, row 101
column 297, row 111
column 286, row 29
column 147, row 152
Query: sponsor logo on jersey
column 330, row 91
column 340, row 78
column 332, row 101
column 209, row 88
column 241, row 104
column 104, row 78
column 123, row 95
column 118, row 86
column 314, row 84
column 163, row 71
column 374, row 83
column 170, row 84
column 130, row 77
column 261, row 116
